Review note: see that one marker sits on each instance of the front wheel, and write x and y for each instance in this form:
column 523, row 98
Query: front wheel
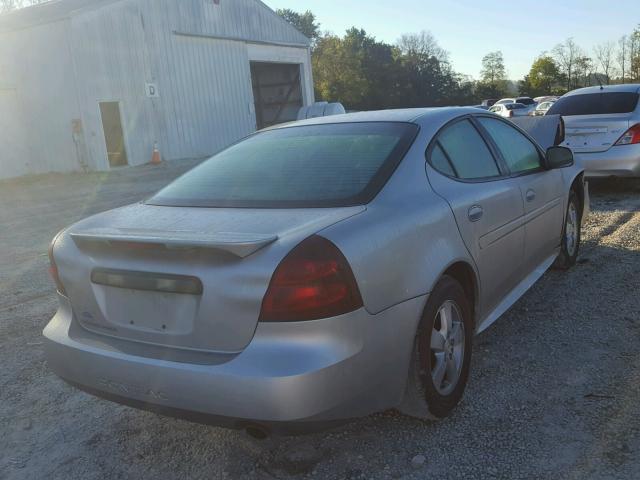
column 442, row 353
column 570, row 246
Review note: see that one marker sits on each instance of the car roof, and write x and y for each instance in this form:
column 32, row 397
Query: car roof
column 408, row 115
column 627, row 87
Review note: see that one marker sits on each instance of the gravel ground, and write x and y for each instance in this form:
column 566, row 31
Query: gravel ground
column 553, row 392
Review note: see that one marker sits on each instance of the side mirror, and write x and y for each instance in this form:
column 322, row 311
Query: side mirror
column 559, row 157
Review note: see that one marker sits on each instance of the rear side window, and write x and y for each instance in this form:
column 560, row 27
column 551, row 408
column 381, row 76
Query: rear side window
column 328, row 165
column 517, row 150
column 467, row 152
column 596, row 104
column 440, row 161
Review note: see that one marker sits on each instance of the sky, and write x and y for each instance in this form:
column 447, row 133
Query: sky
column 469, row 29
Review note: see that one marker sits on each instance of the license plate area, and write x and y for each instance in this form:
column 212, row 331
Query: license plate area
column 147, row 306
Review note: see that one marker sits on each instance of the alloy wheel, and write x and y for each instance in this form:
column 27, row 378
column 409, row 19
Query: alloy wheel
column 571, row 229
column 447, row 348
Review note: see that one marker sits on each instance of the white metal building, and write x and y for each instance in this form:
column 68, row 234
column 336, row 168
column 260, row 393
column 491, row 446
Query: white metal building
column 93, row 84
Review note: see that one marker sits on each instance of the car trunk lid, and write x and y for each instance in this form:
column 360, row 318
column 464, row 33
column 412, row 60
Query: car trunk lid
column 589, row 133
column 187, row 278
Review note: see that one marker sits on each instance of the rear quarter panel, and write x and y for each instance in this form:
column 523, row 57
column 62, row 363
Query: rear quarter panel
column 400, row 247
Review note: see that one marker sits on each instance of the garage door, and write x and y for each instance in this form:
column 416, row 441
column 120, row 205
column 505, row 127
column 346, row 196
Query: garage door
column 277, row 92
column 14, row 154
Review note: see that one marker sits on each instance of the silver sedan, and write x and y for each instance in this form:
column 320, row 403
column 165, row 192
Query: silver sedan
column 315, row 272
column 602, row 126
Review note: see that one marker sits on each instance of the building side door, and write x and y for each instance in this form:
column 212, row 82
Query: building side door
column 113, row 134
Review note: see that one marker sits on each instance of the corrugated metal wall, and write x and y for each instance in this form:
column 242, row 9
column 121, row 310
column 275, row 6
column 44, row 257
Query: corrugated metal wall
column 112, row 64
column 196, row 52
column 40, row 102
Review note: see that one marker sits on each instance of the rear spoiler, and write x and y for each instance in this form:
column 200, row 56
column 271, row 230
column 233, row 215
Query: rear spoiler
column 239, row 244
column 548, row 130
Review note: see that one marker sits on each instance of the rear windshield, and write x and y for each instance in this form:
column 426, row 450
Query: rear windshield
column 525, row 101
column 514, row 106
column 308, row 166
column 595, row 104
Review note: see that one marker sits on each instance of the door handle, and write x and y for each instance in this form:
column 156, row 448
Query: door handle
column 475, row 213
column 530, row 196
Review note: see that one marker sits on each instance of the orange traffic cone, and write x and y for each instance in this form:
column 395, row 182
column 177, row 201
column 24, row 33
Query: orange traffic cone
column 155, row 157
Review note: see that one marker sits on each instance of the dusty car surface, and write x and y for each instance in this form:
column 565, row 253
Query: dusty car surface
column 603, row 128
column 315, row 272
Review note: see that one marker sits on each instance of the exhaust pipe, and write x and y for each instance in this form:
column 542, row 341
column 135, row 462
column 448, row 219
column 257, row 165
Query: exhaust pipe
column 257, row 431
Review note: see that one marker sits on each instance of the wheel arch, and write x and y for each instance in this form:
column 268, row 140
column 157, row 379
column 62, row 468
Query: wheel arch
column 577, row 185
column 464, row 273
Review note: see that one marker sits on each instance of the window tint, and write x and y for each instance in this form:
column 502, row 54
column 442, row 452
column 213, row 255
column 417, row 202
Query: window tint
column 310, row 166
column 440, row 162
column 518, row 151
column 469, row 154
column 514, row 106
column 595, row 104
column 525, row 101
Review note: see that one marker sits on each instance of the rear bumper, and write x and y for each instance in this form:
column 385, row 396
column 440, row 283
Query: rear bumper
column 618, row 161
column 291, row 376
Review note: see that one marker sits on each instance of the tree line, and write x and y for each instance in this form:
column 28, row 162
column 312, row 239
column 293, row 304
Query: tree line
column 364, row 73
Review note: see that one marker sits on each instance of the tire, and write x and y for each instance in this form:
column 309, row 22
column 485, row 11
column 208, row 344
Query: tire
column 425, row 397
column 571, row 234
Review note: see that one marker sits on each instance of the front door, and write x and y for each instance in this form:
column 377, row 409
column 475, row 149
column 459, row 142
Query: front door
column 487, row 206
column 541, row 190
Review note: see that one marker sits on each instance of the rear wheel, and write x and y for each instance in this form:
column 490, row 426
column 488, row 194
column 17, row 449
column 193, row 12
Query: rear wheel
column 442, row 353
column 570, row 246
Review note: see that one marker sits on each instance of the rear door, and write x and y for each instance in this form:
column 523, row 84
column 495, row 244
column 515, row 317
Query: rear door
column 487, row 206
column 594, row 122
column 541, row 190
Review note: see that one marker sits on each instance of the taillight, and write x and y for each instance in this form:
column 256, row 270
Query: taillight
column 631, row 136
column 313, row 281
column 53, row 268
column 510, row 113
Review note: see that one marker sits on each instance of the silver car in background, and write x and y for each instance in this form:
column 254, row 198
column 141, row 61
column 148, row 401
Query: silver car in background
column 603, row 128
column 315, row 272
column 510, row 110
column 542, row 109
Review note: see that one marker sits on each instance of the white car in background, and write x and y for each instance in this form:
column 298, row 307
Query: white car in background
column 542, row 108
column 547, row 98
column 528, row 102
column 602, row 127
column 510, row 110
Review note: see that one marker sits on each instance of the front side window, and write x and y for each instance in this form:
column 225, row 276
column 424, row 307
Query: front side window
column 310, row 166
column 519, row 153
column 467, row 152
